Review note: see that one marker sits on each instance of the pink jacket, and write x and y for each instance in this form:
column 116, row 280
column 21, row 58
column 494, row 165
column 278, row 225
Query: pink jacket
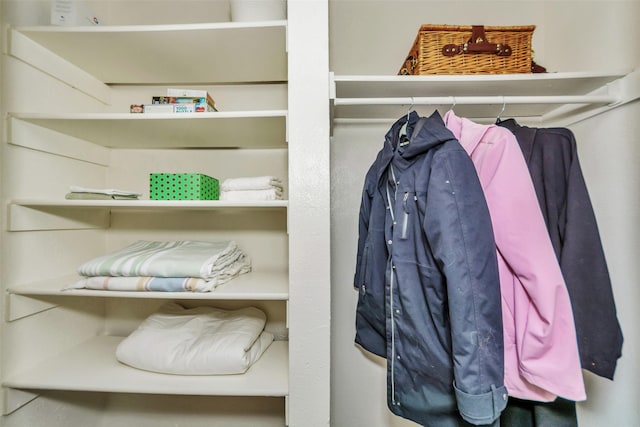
column 541, row 350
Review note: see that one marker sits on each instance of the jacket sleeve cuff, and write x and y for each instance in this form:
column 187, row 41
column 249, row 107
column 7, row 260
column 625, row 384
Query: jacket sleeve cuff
column 479, row 409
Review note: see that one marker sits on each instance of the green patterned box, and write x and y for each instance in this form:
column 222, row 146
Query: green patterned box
column 183, row 186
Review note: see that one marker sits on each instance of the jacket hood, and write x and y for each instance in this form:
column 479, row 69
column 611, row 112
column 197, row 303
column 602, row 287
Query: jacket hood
column 422, row 135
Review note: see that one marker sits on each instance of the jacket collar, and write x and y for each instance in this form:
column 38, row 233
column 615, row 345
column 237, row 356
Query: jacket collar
column 525, row 136
column 469, row 133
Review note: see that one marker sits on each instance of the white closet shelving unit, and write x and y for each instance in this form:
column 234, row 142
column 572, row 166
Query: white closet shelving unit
column 216, row 53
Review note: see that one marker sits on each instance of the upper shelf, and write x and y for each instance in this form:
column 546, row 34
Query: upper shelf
column 544, row 97
column 156, row 54
column 59, row 214
column 248, row 129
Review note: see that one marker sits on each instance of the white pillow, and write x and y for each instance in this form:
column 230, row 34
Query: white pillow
column 197, row 341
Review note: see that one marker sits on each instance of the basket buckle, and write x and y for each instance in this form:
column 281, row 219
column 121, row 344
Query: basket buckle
column 452, row 49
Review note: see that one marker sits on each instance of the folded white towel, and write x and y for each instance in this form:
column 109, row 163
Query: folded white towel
column 251, row 195
column 251, row 183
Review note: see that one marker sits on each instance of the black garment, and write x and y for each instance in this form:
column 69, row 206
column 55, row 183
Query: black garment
column 525, row 413
column 551, row 155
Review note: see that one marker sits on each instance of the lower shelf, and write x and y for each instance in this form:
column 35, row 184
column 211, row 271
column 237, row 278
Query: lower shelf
column 92, row 366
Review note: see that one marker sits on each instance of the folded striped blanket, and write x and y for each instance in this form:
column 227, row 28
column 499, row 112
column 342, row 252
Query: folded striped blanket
column 162, row 284
column 135, row 283
column 188, row 258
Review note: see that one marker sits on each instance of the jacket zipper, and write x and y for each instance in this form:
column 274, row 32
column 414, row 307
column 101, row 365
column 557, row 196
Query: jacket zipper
column 391, row 205
column 365, row 266
column 393, row 337
column 405, row 216
column 404, row 232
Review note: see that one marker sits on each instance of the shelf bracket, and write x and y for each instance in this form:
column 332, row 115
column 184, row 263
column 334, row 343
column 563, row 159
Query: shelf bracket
column 625, row 90
column 25, row 218
column 20, row 306
column 30, row 134
column 332, row 101
column 15, row 399
column 30, row 52
column 286, row 410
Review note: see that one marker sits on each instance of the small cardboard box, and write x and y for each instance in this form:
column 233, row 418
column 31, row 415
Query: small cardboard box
column 183, row 186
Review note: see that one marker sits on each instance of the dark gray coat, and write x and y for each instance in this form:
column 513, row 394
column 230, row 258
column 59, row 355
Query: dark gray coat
column 429, row 293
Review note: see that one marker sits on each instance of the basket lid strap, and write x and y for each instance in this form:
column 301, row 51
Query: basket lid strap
column 477, row 34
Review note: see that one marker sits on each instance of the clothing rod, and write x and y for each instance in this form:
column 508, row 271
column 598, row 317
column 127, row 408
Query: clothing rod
column 480, row 100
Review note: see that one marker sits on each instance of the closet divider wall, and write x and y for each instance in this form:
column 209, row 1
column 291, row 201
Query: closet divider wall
column 66, row 96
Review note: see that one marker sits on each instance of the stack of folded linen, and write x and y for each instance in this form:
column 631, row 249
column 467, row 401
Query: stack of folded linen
column 172, row 266
column 251, row 188
column 197, row 341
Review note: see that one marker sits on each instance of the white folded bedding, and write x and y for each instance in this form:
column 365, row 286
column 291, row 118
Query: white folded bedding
column 197, row 341
column 251, row 195
column 251, row 183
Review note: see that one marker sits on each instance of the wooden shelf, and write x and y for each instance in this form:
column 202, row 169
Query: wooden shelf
column 256, row 285
column 155, row 54
column 242, row 129
column 539, row 96
column 92, row 366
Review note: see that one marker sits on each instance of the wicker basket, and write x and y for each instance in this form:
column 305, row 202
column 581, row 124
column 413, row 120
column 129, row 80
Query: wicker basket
column 472, row 49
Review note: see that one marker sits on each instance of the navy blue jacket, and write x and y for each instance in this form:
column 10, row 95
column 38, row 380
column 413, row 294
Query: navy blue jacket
column 427, row 276
column 552, row 158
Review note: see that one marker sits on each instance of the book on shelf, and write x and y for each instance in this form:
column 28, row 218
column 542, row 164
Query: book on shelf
column 199, row 100
column 187, row 92
column 200, row 93
column 178, row 101
column 170, row 108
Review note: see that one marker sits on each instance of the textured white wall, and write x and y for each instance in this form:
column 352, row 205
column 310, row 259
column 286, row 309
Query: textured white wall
column 358, row 387
column 609, row 155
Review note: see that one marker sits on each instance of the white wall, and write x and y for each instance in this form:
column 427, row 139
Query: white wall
column 374, row 36
column 358, row 387
column 609, row 154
